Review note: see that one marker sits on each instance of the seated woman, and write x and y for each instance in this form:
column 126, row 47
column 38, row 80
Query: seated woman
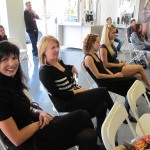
column 109, row 57
column 59, row 81
column 3, row 36
column 103, row 77
column 138, row 40
column 22, row 127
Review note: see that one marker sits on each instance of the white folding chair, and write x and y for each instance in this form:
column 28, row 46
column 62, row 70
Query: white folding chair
column 23, row 52
column 138, row 53
column 134, row 93
column 90, row 81
column 112, row 123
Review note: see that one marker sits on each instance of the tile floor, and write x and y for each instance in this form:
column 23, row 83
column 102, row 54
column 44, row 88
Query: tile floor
column 69, row 56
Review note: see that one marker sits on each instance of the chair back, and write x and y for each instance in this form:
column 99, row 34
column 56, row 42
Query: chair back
column 23, row 52
column 89, row 79
column 15, row 41
column 112, row 123
column 133, row 94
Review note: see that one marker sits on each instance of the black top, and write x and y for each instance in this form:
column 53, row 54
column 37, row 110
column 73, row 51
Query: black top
column 112, row 59
column 101, row 69
column 59, row 84
column 30, row 21
column 13, row 103
column 3, row 38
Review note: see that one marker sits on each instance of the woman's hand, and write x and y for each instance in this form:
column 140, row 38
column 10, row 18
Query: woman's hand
column 122, row 63
column 118, row 75
column 79, row 90
column 44, row 119
column 74, row 71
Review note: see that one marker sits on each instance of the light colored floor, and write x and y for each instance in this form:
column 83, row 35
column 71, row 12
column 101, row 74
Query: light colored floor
column 69, row 56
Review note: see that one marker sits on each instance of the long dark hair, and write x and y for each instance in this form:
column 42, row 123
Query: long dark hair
column 139, row 33
column 6, row 49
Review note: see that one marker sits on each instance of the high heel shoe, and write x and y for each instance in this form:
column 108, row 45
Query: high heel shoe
column 147, row 89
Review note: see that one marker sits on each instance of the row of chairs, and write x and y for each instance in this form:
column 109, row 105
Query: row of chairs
column 118, row 114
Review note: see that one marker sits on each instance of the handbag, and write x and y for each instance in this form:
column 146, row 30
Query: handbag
column 141, row 62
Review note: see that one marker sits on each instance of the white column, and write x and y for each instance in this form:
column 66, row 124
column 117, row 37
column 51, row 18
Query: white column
column 12, row 18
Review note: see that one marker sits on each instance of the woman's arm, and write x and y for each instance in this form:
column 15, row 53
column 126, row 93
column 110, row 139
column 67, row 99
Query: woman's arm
column 103, row 54
column 89, row 63
column 16, row 136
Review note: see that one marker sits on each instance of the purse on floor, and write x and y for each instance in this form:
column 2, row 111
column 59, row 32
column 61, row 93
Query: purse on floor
column 141, row 62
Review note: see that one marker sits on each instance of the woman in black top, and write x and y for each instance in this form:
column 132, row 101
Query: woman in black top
column 59, row 81
column 103, row 77
column 3, row 36
column 108, row 55
column 23, row 127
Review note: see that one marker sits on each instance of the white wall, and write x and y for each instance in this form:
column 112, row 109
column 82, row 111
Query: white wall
column 109, row 8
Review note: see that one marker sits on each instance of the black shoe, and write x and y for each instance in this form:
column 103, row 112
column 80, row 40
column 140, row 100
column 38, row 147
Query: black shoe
column 132, row 119
column 148, row 95
column 119, row 51
column 101, row 147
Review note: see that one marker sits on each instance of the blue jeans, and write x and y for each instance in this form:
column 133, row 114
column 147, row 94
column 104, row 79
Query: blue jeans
column 120, row 43
column 33, row 37
column 147, row 47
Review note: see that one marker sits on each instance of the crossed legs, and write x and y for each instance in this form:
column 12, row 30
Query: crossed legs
column 136, row 71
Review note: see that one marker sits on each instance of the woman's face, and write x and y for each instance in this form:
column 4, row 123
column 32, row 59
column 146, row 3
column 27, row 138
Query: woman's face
column 112, row 34
column 9, row 65
column 2, row 32
column 52, row 51
column 96, row 44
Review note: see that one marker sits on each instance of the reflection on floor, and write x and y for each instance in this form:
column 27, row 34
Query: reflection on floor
column 75, row 57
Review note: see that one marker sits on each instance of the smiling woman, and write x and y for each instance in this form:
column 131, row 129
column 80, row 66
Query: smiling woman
column 32, row 128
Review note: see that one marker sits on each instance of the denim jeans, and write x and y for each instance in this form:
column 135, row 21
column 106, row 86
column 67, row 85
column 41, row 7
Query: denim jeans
column 33, row 37
column 120, row 43
column 146, row 47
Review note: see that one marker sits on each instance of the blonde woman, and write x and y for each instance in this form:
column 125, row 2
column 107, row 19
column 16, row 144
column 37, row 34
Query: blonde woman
column 115, row 83
column 108, row 56
column 58, row 79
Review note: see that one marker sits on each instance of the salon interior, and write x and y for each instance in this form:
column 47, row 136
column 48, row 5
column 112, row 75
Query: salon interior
column 70, row 21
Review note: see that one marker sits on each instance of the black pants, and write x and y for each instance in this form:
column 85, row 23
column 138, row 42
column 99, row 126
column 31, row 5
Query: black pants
column 95, row 101
column 119, row 86
column 34, row 37
column 66, row 131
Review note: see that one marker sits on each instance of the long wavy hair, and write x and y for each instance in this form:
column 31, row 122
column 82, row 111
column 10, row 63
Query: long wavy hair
column 105, row 37
column 88, row 42
column 138, row 32
column 43, row 45
column 7, row 49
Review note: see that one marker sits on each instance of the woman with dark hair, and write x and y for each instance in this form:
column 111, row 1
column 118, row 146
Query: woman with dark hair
column 114, row 82
column 137, row 39
column 24, row 126
column 67, row 96
column 3, row 36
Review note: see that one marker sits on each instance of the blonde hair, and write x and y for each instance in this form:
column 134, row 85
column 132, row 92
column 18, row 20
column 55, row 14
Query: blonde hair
column 43, row 45
column 88, row 42
column 105, row 37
